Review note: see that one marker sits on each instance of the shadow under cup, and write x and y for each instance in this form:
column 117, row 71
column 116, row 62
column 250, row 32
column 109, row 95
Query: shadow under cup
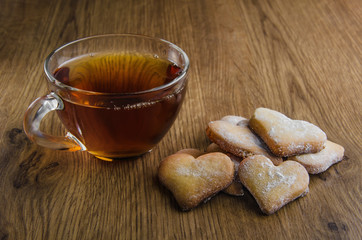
column 110, row 124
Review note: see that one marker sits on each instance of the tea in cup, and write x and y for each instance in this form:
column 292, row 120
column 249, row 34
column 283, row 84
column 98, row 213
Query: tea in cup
column 117, row 95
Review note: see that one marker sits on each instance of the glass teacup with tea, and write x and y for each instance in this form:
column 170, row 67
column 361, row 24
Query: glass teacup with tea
column 117, row 95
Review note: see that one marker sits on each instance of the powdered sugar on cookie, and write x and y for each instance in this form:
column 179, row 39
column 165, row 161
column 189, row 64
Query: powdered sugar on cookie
column 234, row 119
column 193, row 181
column 319, row 162
column 273, row 186
column 199, row 169
column 284, row 136
column 238, row 140
column 278, row 178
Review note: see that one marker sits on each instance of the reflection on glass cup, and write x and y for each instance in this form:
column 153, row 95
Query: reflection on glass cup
column 117, row 95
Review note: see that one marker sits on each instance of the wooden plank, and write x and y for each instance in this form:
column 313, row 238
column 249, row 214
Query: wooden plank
column 302, row 58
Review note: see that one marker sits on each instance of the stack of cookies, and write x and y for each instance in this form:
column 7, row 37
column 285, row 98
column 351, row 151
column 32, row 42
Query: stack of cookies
column 270, row 155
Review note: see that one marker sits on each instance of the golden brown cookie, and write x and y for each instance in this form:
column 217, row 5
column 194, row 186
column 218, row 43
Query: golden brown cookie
column 192, row 151
column 238, row 140
column 193, row 181
column 213, row 147
column 273, row 186
column 319, row 162
column 284, row 136
column 235, row 120
column 235, row 188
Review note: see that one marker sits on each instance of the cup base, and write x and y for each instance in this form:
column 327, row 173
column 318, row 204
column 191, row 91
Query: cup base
column 117, row 157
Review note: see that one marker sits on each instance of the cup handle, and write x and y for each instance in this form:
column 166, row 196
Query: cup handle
column 33, row 116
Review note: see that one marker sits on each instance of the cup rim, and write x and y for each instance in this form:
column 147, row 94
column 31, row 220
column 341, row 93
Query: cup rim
column 164, row 86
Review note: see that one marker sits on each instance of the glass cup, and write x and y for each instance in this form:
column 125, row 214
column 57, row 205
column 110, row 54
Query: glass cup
column 109, row 123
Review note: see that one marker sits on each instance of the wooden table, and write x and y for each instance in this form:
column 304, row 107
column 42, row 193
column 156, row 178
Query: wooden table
column 302, row 58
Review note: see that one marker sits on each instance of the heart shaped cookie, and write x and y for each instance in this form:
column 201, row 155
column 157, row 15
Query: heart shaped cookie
column 193, row 180
column 273, row 186
column 319, row 162
column 284, row 136
column 238, row 140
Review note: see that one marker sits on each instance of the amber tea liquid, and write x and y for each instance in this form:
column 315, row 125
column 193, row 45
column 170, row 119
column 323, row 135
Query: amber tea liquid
column 127, row 128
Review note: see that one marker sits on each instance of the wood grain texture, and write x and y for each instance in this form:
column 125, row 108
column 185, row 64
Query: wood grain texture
column 302, row 58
